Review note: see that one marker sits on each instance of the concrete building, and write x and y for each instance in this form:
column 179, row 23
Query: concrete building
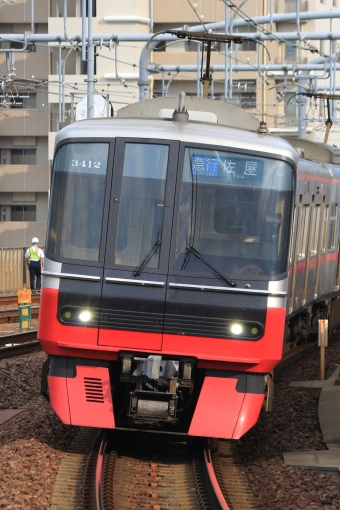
column 53, row 74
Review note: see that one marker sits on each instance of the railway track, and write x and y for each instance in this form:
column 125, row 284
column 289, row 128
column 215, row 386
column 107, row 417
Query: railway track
column 12, row 314
column 140, row 471
column 13, row 300
column 18, row 344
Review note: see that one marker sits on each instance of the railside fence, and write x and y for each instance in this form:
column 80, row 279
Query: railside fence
column 13, row 272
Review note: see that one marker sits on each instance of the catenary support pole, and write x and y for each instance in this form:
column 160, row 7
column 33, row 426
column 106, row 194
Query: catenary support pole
column 90, row 64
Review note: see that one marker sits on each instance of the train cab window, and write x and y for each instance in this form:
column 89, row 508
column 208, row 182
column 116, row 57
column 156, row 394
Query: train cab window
column 76, row 210
column 141, row 204
column 235, row 211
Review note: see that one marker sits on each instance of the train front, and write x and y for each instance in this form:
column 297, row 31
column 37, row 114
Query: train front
column 165, row 278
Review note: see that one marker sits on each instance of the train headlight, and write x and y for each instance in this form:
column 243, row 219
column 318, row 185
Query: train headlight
column 236, row 329
column 67, row 314
column 85, row 316
column 244, row 330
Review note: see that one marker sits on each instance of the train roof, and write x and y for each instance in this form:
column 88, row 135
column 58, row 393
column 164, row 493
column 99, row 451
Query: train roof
column 192, row 132
column 315, row 151
column 200, row 109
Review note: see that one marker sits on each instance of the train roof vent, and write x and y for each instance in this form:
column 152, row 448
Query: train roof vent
column 166, row 113
column 315, row 151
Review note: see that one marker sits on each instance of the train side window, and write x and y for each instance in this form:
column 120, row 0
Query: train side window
column 303, row 231
column 325, row 228
column 331, row 237
column 142, row 203
column 316, row 227
column 293, row 241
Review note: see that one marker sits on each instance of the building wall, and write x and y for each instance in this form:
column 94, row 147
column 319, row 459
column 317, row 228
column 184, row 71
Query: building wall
column 35, row 126
column 24, row 127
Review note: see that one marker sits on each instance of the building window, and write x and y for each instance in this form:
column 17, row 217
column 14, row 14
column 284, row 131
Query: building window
column 247, row 45
column 22, row 100
column 23, row 213
column 290, row 104
column 23, row 156
column 290, row 51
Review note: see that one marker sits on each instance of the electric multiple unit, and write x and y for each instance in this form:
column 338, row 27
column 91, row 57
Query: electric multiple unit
column 173, row 269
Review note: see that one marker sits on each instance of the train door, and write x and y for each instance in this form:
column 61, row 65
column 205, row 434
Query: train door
column 299, row 255
column 312, row 251
column 138, row 241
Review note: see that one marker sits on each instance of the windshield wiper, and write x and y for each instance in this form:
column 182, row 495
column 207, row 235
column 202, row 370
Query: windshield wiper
column 147, row 258
column 197, row 254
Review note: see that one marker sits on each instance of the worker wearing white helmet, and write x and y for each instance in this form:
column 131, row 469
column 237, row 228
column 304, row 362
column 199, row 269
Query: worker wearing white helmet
column 35, row 260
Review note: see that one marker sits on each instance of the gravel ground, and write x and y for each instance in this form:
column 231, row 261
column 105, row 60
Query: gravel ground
column 33, row 443
column 10, row 328
column 292, row 426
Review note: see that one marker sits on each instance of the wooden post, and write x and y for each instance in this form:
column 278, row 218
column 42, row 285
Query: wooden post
column 322, row 342
column 269, row 382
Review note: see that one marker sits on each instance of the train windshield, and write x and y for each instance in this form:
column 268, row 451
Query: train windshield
column 235, row 211
column 141, row 204
column 76, row 210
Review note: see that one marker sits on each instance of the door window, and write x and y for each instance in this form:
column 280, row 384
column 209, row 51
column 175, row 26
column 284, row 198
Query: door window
column 141, row 204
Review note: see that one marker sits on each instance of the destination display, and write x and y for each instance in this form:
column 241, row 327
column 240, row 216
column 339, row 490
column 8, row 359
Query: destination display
column 236, row 170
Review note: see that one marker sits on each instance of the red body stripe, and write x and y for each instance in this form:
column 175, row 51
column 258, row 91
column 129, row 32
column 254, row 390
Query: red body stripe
column 318, row 178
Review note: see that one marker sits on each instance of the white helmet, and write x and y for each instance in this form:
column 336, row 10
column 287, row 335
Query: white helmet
column 35, row 240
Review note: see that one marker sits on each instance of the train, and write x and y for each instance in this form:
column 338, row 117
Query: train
column 187, row 248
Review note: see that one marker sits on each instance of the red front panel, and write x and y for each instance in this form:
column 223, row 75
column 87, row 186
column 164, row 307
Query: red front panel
column 51, row 330
column 57, row 389
column 250, row 411
column 217, row 409
column 85, row 399
column 130, row 339
column 262, row 354
column 90, row 398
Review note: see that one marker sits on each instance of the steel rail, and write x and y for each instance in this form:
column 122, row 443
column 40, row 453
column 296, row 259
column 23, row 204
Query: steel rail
column 13, row 299
column 20, row 344
column 99, row 473
column 213, row 480
column 206, row 471
column 8, row 314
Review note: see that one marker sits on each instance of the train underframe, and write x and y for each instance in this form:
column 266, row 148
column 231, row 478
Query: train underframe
column 152, row 392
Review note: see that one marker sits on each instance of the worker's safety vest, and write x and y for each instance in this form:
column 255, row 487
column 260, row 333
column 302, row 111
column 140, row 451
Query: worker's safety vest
column 34, row 250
